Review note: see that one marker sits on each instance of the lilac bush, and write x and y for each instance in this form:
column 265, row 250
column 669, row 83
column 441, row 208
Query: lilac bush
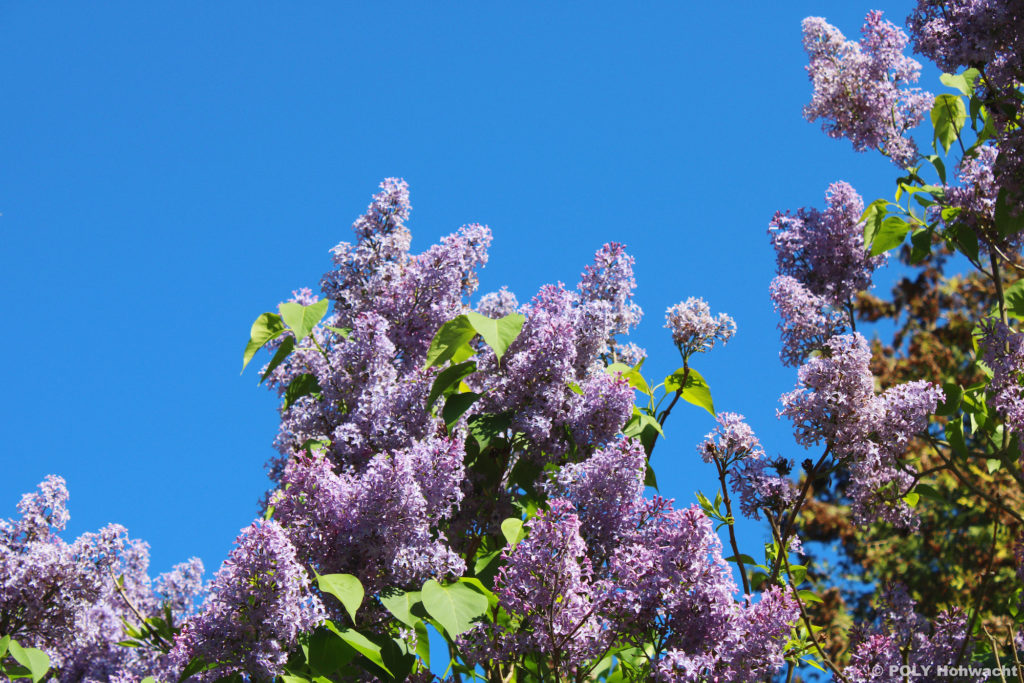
column 481, row 473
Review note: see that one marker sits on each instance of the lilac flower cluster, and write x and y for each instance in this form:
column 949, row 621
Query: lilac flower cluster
column 606, row 566
column 694, row 329
column 822, row 264
column 1004, row 354
column 259, row 603
column 987, row 35
column 903, row 638
column 735, row 446
column 732, row 440
column 498, row 304
column 610, row 279
column 861, row 91
column 559, row 346
column 71, row 600
column 835, row 403
column 377, row 523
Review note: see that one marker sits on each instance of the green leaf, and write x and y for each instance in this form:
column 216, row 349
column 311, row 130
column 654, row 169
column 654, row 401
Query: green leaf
column 346, row 588
column 36, row 661
column 498, row 334
column 486, row 428
column 456, row 406
column 451, row 338
column 953, row 393
column 940, row 167
column 268, row 326
column 921, row 245
column 1006, row 222
column 455, row 606
column 447, row 377
column 361, row 644
column 912, row 499
column 872, row 219
column 963, row 82
column 342, row 332
column 696, row 390
column 294, row 679
column 993, row 464
column 928, row 491
column 965, row 239
column 948, row 116
column 512, row 530
column 890, row 235
column 423, row 642
column 303, row 385
column 302, row 319
column 286, row 347
column 4, row 643
column 1014, row 297
column 401, row 604
column 808, row 596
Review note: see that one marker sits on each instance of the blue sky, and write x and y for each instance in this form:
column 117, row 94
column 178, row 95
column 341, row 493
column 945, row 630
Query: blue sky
column 170, row 171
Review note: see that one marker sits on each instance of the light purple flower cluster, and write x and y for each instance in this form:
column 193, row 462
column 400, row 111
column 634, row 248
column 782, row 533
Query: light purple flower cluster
column 835, row 403
column 610, row 279
column 71, row 600
column 976, row 194
column 987, row 35
column 498, row 304
column 861, row 91
column 606, row 566
column 759, row 483
column 560, row 346
column 821, row 263
column 903, row 638
column 824, row 250
column 378, row 523
column 732, row 440
column 1004, row 354
column 694, row 329
column 259, row 602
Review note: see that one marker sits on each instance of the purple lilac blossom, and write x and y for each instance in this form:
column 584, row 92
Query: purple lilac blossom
column 861, row 89
column 835, row 403
column 610, row 279
column 607, row 491
column 671, row 580
column 904, row 638
column 629, row 353
column 378, row 523
column 1004, row 354
column 987, row 35
column 807, row 320
column 732, row 440
column 547, row 581
column 259, row 603
column 498, row 304
column 65, row 598
column 822, row 264
column 824, row 250
column 694, row 329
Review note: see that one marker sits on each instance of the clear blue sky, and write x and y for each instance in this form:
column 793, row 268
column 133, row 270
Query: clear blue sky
column 171, row 170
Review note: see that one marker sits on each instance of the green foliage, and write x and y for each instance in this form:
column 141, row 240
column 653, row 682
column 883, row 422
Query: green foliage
column 266, row 327
column 302, row 319
column 344, row 587
column 948, row 116
column 455, row 606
